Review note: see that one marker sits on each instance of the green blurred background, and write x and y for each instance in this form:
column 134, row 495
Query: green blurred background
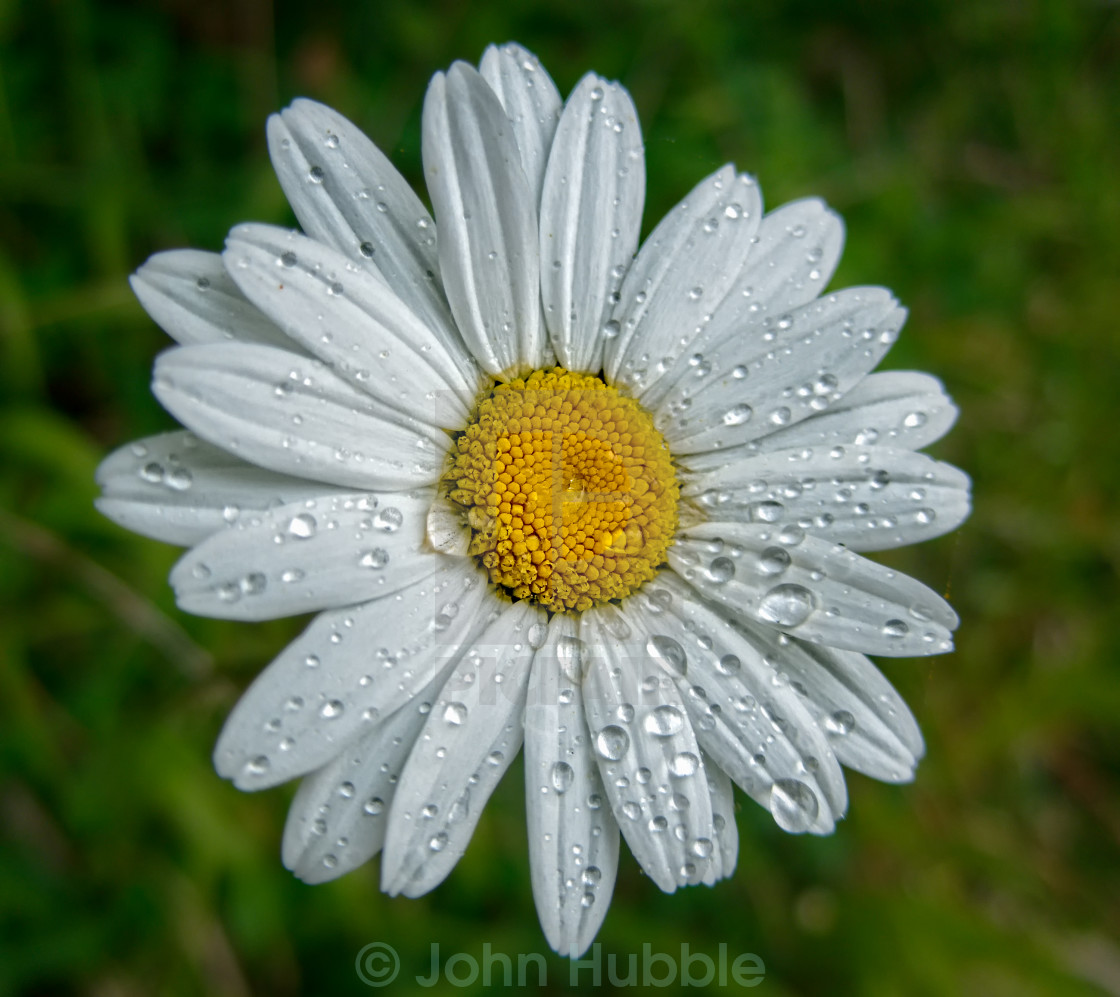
column 974, row 151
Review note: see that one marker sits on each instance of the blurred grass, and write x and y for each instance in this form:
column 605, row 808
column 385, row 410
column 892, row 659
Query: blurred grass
column 974, row 152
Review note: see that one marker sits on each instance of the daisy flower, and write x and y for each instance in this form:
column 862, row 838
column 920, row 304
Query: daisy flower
column 544, row 488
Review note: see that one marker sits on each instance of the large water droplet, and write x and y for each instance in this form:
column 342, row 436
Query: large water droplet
column 389, row 519
column 684, row 764
column 455, row 714
column 721, row 570
column 738, row 415
column 773, row 561
column 612, row 742
column 669, row 651
column 794, row 805
column 663, row 721
column 561, row 777
column 302, row 526
column 376, row 558
column 840, row 722
column 787, row 605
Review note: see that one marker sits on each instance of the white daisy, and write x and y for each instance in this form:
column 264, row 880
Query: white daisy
column 543, row 492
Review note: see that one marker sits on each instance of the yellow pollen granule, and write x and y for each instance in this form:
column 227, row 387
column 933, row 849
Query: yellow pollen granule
column 568, row 488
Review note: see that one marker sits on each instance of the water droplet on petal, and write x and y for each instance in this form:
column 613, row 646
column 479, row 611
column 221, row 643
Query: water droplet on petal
column 612, row 742
column 794, row 805
column 669, row 651
column 562, row 776
column 302, row 526
column 738, row 415
column 663, row 721
column 455, row 714
column 684, row 764
column 840, row 722
column 787, row 605
column 895, row 628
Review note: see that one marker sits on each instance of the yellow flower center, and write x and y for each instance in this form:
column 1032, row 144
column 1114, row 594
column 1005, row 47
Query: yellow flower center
column 568, row 488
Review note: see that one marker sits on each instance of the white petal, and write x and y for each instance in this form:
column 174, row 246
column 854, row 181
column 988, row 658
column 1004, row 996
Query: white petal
column 869, row 726
column 291, row 414
column 338, row 817
column 815, row 590
column 531, row 102
column 471, row 736
column 573, row 839
column 683, row 272
column 349, row 669
column 348, row 318
column 751, row 723
column 591, row 216
column 488, row 250
column 180, row 489
column 336, row 550
column 648, row 756
column 795, row 366
column 867, row 498
column 194, row 300
column 723, row 817
column 347, row 194
column 895, row 407
column 795, row 254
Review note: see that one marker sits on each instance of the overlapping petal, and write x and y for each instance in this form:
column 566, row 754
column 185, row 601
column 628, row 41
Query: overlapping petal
column 867, row 498
column 194, row 300
column 591, row 214
column 347, row 195
column 813, row 589
column 487, row 219
column 292, row 414
column 471, row 736
column 746, row 386
column 180, row 489
column 684, row 270
column 749, row 721
column 336, row 550
column 531, row 102
column 648, row 755
column 352, row 321
column 573, row 836
column 349, row 669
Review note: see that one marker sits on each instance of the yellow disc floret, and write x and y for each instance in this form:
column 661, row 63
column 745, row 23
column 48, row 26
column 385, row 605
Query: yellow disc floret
column 568, row 488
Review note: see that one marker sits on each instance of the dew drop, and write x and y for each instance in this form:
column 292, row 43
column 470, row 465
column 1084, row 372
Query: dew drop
column 787, row 605
column 663, row 721
column 389, row 519
column 561, row 777
column 612, row 742
column 455, row 714
column 302, row 526
column 840, row 722
column 773, row 561
column 376, row 558
column 332, row 709
column 684, row 764
column 738, row 415
column 669, row 651
column 895, row 628
column 721, row 570
column 794, row 805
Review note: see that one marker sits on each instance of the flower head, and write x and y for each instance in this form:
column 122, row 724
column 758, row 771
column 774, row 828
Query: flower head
column 544, row 488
